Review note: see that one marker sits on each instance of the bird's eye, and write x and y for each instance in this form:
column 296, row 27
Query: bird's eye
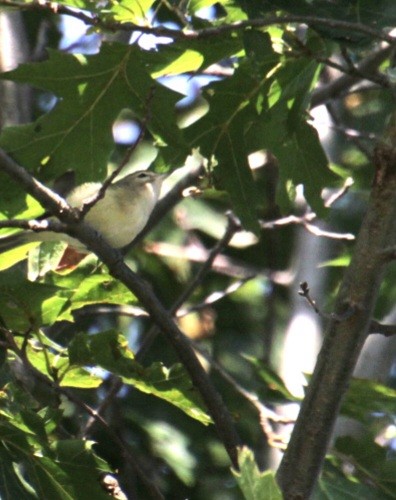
column 143, row 175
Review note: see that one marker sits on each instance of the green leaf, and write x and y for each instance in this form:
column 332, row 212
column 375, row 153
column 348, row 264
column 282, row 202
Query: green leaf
column 131, row 11
column 101, row 289
column 67, row 470
column 34, row 424
column 254, row 484
column 51, row 360
column 90, row 5
column 292, row 87
column 364, row 451
column 300, row 155
column 82, row 288
column 367, row 397
column 259, row 51
column 341, row 261
column 110, row 351
column 282, row 129
column 80, row 378
column 189, row 60
column 11, row 486
column 196, row 5
column 44, row 258
column 12, row 257
column 274, row 388
column 230, row 7
column 172, row 446
column 92, row 91
column 80, row 468
column 33, row 208
column 236, row 177
column 303, row 161
column 25, row 305
column 220, row 134
column 370, row 461
column 335, row 485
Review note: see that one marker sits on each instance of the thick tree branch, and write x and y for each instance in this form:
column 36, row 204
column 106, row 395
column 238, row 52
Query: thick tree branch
column 118, row 269
column 94, row 20
column 344, row 339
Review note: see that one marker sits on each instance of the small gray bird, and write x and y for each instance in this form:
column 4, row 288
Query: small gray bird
column 119, row 216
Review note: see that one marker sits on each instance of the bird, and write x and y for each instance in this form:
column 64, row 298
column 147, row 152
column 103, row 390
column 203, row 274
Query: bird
column 119, row 216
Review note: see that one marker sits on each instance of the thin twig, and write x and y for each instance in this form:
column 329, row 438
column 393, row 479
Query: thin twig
column 214, row 297
column 351, row 133
column 116, row 385
column 351, row 71
column 305, row 222
column 337, row 87
column 266, row 415
column 305, row 292
column 222, row 264
column 96, row 21
column 334, row 197
column 233, row 225
column 352, row 138
column 177, row 12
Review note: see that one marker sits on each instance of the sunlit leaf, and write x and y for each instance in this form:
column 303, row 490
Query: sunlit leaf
column 220, row 134
column 367, row 397
column 92, row 91
column 26, row 305
column 254, row 484
column 131, row 11
column 110, row 351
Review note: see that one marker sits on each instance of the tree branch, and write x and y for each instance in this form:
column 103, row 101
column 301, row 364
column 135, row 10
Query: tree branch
column 344, row 340
column 337, row 87
column 34, row 225
column 232, row 226
column 381, row 329
column 112, row 258
column 388, row 253
column 305, row 221
column 174, row 34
